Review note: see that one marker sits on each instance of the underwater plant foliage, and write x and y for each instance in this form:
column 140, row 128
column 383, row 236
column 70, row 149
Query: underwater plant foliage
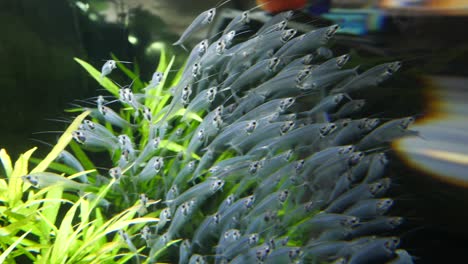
column 48, row 225
column 255, row 151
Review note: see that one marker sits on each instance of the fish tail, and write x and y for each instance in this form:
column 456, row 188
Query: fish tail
column 181, row 44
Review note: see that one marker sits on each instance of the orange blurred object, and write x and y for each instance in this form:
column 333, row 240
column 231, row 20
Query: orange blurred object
column 275, row 6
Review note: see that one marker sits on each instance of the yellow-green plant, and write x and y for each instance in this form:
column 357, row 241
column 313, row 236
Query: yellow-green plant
column 49, row 225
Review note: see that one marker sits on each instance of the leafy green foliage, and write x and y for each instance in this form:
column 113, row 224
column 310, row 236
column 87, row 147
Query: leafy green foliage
column 31, row 222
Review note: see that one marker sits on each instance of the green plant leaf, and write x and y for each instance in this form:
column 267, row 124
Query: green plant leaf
column 55, row 166
column 62, row 243
column 4, row 255
column 6, row 161
column 52, row 209
column 15, row 183
column 61, row 143
column 165, row 247
column 81, row 156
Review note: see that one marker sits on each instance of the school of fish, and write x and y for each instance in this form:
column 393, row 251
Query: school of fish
column 281, row 167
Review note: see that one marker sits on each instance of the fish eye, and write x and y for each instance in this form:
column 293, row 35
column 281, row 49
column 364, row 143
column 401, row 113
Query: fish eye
column 253, row 239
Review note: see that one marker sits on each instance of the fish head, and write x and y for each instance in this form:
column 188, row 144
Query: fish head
column 350, row 221
column 157, row 77
column 248, row 203
column 220, row 47
column 395, row 221
column 147, row 114
column 166, row 213
column 33, row 180
column 327, row 129
column 202, row 47
column 210, row 14
column 254, row 166
column 115, row 173
column 201, row 134
column 330, row 31
column 342, row 60
column 294, row 253
column 379, row 187
column 307, row 59
column 145, row 233
column 392, row 243
column 283, row 195
column 250, row 127
column 217, row 122
column 211, row 93
column 281, row 25
column 191, row 165
column 253, row 239
column 89, row 124
column 100, row 100
column 384, row 204
column 216, row 185
column 406, row 122
column 216, row 218
column 144, row 198
column 273, row 64
column 262, row 253
column 286, row 127
column 346, row 149
column 245, row 17
column 299, row 165
column 302, row 74
column 371, row 123
column 286, row 103
column 79, row 136
column 355, row 158
column 229, row 36
column 287, row 35
column 196, row 70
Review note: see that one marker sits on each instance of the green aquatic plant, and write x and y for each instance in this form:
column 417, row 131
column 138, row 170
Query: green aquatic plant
column 50, row 225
